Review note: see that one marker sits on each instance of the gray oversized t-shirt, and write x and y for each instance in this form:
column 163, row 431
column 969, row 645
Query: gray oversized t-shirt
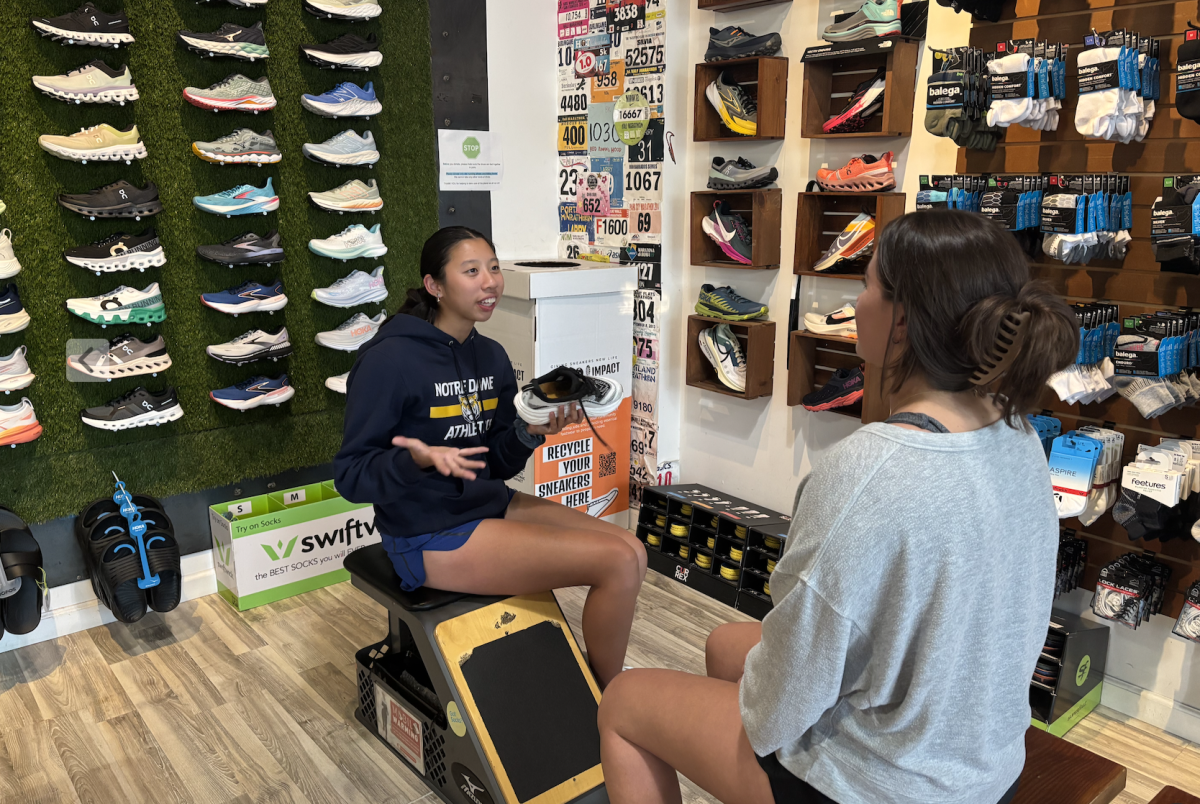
column 911, row 603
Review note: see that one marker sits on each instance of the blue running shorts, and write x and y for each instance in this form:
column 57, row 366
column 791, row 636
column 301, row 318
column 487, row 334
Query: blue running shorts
column 408, row 555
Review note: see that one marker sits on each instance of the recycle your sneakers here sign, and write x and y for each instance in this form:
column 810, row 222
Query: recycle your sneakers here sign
column 282, row 544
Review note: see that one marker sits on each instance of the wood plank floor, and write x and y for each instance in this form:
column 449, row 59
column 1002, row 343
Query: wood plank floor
column 208, row 706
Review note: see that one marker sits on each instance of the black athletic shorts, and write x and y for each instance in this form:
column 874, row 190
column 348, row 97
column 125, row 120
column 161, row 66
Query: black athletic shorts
column 787, row 788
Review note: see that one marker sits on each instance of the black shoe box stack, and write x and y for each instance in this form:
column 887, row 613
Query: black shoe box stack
column 703, row 531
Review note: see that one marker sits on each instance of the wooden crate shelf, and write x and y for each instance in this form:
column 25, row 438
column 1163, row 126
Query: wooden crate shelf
column 763, row 211
column 763, row 77
column 825, row 78
column 821, row 217
column 758, row 345
column 812, row 359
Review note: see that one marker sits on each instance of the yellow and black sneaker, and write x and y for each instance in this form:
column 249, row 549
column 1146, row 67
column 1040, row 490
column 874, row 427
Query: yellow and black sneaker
column 737, row 109
column 723, row 303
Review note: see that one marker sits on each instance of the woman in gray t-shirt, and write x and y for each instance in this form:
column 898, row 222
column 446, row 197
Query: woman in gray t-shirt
column 914, row 593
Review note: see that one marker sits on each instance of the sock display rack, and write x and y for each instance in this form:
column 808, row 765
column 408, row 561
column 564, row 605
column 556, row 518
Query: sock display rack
column 719, row 545
column 1136, row 284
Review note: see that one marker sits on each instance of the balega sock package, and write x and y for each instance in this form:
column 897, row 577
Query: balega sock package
column 1028, row 83
column 1089, row 378
column 1086, row 217
column 1175, row 224
column 957, row 99
column 1187, row 76
column 1118, row 86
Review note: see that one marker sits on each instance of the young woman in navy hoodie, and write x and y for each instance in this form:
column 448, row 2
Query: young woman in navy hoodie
column 431, row 434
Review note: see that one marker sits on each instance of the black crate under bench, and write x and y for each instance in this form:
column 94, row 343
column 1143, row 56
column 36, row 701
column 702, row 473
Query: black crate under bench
column 692, row 531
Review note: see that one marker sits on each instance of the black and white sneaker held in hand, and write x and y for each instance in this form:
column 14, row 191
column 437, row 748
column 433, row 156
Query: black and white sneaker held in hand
column 119, row 252
column 245, row 249
column 347, row 52
column 117, row 200
column 138, row 408
column 86, row 25
column 599, row 396
column 247, row 44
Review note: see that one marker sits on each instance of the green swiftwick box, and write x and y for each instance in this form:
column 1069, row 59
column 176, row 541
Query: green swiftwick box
column 277, row 545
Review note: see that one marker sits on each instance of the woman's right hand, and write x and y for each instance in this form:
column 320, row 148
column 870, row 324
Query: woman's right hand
column 448, row 461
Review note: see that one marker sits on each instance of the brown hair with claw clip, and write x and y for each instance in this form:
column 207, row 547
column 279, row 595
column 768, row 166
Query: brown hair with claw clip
column 975, row 320
column 1009, row 340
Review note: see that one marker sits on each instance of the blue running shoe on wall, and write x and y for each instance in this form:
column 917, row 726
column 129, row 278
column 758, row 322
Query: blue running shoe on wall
column 254, row 392
column 345, row 100
column 241, row 200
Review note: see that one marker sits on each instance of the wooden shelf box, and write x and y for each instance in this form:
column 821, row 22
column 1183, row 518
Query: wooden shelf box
column 813, row 358
column 840, row 76
column 763, row 211
column 821, row 217
column 764, row 78
column 758, row 345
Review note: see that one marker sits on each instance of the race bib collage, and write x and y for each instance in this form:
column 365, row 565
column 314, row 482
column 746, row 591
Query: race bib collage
column 612, row 146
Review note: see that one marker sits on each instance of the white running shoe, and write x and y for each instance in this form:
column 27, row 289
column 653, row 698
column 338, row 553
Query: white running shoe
column 353, row 333
column 9, row 265
column 18, row 424
column 251, row 346
column 14, row 371
column 346, row 148
column 562, row 386
column 353, row 196
column 357, row 287
column 124, row 305
column 721, row 348
column 344, row 9
column 350, row 243
column 337, row 383
column 839, row 322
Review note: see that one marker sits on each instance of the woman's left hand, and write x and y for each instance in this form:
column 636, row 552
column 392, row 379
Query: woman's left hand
column 560, row 418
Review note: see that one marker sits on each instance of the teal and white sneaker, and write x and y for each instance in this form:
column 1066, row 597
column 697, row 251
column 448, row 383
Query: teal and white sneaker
column 124, row 305
column 241, row 200
column 346, row 148
column 720, row 346
column 350, row 243
column 875, row 18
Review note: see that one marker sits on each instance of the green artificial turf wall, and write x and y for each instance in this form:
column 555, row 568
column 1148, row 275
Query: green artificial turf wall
column 211, row 445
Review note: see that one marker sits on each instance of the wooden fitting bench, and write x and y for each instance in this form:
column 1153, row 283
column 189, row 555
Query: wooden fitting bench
column 1059, row 772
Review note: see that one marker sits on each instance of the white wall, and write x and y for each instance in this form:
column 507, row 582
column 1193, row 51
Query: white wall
column 522, row 86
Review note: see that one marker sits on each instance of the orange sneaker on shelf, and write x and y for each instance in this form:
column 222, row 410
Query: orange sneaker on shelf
column 18, row 424
column 863, row 174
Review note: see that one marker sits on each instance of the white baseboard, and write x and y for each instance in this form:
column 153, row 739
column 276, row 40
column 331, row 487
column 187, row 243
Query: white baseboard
column 1150, row 707
column 74, row 607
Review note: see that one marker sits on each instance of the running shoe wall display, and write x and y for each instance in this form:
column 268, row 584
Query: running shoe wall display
column 612, row 149
column 188, row 174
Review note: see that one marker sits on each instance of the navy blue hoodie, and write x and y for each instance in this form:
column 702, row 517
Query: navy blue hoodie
column 406, row 382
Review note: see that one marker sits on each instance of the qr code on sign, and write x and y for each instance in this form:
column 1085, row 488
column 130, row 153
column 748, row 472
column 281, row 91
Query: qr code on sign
column 608, row 464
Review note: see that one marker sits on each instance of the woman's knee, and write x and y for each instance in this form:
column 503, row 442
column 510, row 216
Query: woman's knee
column 617, row 700
column 622, row 565
column 717, row 650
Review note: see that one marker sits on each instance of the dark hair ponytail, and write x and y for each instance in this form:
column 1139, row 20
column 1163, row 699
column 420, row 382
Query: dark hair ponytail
column 435, row 254
column 959, row 277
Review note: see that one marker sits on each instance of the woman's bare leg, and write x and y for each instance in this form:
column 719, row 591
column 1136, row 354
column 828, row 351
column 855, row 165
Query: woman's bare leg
column 652, row 723
column 726, row 649
column 511, row 557
column 527, row 508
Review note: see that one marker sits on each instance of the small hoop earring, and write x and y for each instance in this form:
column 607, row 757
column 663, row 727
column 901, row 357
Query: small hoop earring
column 439, row 298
